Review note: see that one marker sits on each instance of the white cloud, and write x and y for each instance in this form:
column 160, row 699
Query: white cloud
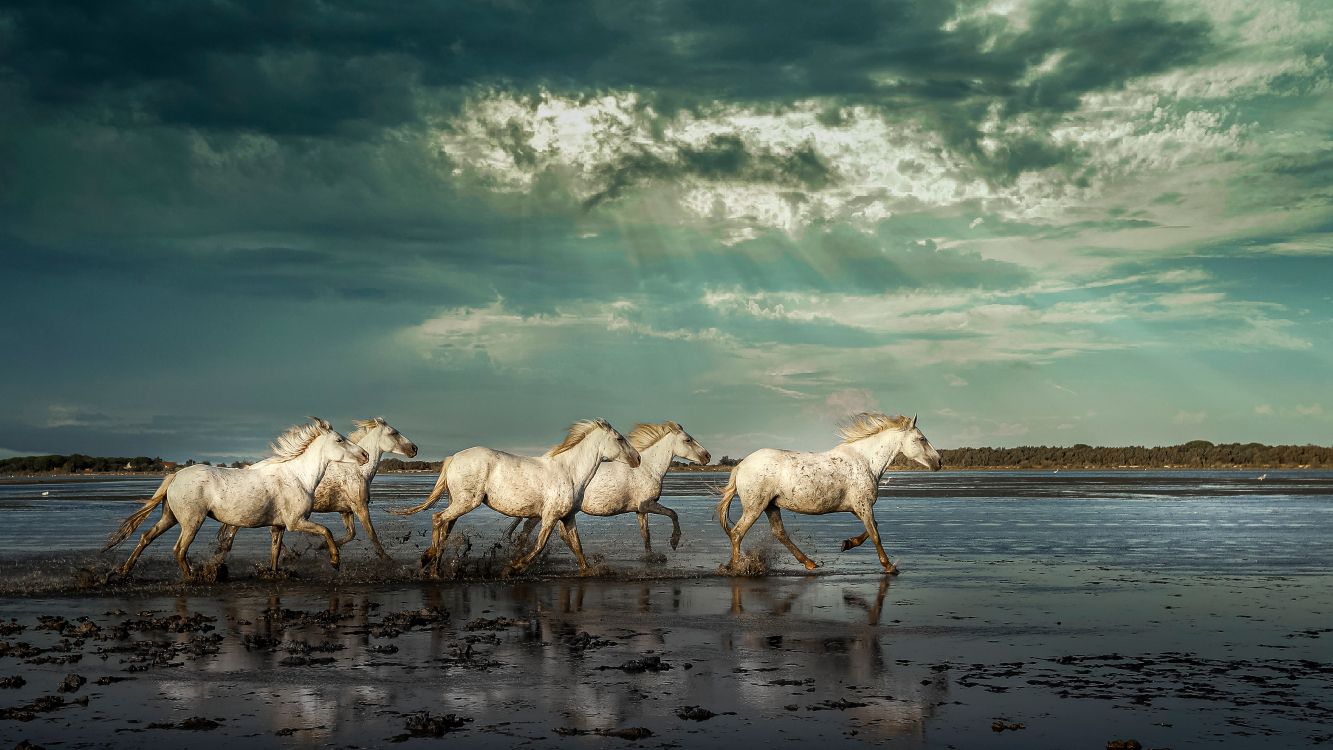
column 1190, row 417
column 1264, row 410
column 1311, row 410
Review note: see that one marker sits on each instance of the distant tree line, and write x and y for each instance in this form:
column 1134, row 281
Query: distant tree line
column 1197, row 454
column 78, row 463
column 398, row 464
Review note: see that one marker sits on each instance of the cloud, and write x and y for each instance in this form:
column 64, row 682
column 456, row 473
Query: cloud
column 1190, row 417
column 1310, row 410
column 1265, row 410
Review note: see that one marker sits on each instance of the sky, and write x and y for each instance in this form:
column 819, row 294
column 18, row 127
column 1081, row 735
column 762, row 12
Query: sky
column 1029, row 223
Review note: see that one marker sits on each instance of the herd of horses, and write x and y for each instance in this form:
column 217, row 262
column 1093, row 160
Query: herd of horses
column 596, row 470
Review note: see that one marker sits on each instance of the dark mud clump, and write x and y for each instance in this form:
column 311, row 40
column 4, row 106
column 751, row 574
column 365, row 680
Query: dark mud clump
column 194, row 724
column 1000, row 725
column 40, row 705
column 639, row 666
column 17, row 681
column 699, row 713
column 71, row 683
column 26, row 745
column 12, row 627
column 1124, row 745
column 841, row 704
column 624, row 733
column 395, row 624
column 583, row 641
column 426, row 724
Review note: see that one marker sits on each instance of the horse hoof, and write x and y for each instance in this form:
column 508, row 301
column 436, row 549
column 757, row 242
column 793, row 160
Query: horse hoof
column 846, row 545
column 675, row 540
column 811, row 565
column 892, row 570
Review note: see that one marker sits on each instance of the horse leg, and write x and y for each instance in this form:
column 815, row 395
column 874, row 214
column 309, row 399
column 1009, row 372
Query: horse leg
column 653, row 506
column 569, row 531
column 167, row 520
column 525, row 536
column 363, row 514
column 310, row 527
column 643, row 532
column 276, row 552
column 351, row 529
column 189, row 528
column 522, row 562
column 748, row 516
column 226, row 536
column 775, row 520
column 867, row 516
column 441, row 524
column 509, row 533
column 855, row 541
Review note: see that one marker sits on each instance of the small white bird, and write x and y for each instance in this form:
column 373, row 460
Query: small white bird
column 1262, row 477
column 44, row 494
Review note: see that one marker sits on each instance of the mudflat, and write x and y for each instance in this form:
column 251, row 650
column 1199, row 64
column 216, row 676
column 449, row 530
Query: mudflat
column 1071, row 614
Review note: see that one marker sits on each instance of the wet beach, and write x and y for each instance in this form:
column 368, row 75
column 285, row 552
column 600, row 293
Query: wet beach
column 1176, row 609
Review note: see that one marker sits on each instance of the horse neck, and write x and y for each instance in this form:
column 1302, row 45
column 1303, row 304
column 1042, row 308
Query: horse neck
column 370, row 443
column 655, row 459
column 878, row 450
column 580, row 463
column 308, row 468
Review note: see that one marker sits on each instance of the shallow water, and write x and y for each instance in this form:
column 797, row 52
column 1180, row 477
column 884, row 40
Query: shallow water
column 1179, row 609
column 1201, row 522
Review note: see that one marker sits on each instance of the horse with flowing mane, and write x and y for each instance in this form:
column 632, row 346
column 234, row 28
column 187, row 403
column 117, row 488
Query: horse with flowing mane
column 548, row 487
column 278, row 491
column 345, row 488
column 845, row 478
column 617, row 488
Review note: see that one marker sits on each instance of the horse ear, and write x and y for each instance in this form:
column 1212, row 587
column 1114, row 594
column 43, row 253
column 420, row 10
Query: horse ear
column 914, row 421
column 380, row 421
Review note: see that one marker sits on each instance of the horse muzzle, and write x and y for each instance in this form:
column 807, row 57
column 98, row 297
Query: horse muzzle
column 411, row 451
column 632, row 458
column 705, row 459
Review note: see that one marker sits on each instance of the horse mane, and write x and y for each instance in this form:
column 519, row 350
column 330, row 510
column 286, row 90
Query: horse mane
column 577, row 431
column 868, row 423
column 364, row 426
column 645, row 435
column 295, row 441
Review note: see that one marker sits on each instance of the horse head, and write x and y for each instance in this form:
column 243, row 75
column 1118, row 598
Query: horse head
column 916, row 447
column 614, row 446
column 688, row 448
column 335, row 448
column 387, row 438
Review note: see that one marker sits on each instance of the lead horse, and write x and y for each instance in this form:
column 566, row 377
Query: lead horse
column 278, row 491
column 845, row 478
column 345, row 488
column 617, row 488
column 548, row 487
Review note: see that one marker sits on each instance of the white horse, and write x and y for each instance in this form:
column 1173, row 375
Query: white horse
column 843, row 479
column 616, row 488
column 278, row 491
column 548, row 487
column 345, row 488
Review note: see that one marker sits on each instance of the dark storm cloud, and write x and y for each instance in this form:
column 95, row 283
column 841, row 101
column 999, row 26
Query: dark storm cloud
column 335, row 67
column 722, row 157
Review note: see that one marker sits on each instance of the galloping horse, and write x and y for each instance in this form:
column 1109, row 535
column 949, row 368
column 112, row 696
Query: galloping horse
column 278, row 491
column 548, row 487
column 845, row 478
column 346, row 489
column 616, row 488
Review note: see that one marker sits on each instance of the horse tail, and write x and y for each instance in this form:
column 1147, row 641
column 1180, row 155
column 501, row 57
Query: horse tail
column 724, row 505
column 139, row 515
column 441, row 486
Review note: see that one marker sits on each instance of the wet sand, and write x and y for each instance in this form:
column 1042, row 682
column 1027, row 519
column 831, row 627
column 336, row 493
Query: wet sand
column 968, row 648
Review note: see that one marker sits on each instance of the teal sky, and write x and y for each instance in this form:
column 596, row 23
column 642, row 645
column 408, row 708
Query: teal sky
column 1027, row 222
